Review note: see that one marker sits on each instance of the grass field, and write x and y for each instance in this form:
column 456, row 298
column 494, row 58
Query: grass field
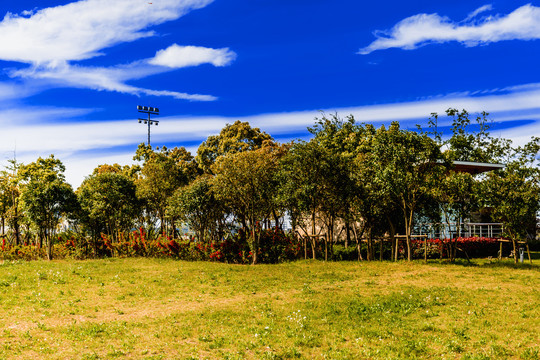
column 165, row 309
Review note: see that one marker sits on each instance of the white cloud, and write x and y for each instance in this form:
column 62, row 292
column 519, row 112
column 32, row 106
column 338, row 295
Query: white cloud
column 179, row 95
column 28, row 12
column 478, row 11
column 77, row 143
column 418, row 30
column 51, row 40
column 109, row 79
column 12, row 115
column 80, row 30
column 13, row 91
column 176, row 56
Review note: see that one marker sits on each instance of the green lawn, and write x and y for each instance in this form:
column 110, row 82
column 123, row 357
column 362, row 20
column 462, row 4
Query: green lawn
column 165, row 309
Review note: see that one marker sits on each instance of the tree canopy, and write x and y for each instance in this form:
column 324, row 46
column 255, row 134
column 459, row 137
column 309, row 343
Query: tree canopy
column 349, row 180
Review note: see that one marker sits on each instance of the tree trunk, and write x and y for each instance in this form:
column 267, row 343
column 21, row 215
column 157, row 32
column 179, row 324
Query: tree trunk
column 276, row 219
column 161, row 224
column 16, row 226
column 255, row 242
column 255, row 248
column 347, row 234
column 408, row 236
column 409, row 252
column 397, row 247
column 173, row 225
column 515, row 246
column 358, row 244
column 305, row 247
column 515, row 250
column 368, row 245
column 392, row 239
column 326, row 248
column 94, row 245
column 408, row 227
column 243, row 222
column 313, row 233
column 381, row 249
column 313, row 242
column 329, row 238
column 49, row 245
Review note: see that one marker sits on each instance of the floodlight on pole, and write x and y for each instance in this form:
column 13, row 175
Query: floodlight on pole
column 150, row 111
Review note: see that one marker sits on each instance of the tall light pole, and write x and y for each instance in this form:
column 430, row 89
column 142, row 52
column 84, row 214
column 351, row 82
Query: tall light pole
column 150, row 111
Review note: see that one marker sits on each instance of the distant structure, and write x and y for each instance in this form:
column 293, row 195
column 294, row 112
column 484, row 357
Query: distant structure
column 150, row 111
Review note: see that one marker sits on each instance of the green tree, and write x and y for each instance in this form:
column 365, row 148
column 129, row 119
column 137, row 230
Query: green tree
column 197, row 205
column 514, row 194
column 302, row 191
column 5, row 202
column 131, row 171
column 457, row 194
column 162, row 173
column 10, row 189
column 46, row 196
column 372, row 203
column 341, row 138
column 245, row 182
column 407, row 166
column 108, row 203
column 233, row 138
column 470, row 140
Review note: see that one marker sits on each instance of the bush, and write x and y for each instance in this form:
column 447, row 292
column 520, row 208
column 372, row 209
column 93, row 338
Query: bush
column 342, row 253
column 439, row 248
column 275, row 246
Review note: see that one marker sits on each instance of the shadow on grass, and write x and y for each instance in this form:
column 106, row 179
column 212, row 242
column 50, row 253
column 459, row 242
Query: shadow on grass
column 511, row 265
column 491, row 263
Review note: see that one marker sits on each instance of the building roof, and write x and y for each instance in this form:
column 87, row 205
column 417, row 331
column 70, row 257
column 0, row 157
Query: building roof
column 475, row 167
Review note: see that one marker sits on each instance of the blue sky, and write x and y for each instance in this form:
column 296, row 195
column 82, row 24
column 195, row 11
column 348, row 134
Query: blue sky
column 72, row 72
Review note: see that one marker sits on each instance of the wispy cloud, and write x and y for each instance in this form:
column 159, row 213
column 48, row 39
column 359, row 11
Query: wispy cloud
column 14, row 116
column 40, row 39
column 10, row 91
column 75, row 143
column 103, row 78
column 422, row 29
column 478, row 11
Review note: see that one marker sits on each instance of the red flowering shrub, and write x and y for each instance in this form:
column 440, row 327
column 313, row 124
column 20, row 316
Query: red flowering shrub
column 474, row 247
column 276, row 246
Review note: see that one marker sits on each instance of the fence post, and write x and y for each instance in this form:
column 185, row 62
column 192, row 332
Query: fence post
column 425, row 249
column 397, row 246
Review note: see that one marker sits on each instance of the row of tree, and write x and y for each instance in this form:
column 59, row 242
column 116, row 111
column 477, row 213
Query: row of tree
column 350, row 178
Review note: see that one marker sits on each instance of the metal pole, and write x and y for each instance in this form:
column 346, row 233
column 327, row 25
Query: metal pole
column 149, row 129
column 148, row 121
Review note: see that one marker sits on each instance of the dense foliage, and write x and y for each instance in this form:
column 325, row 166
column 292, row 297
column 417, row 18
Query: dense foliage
column 349, row 186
